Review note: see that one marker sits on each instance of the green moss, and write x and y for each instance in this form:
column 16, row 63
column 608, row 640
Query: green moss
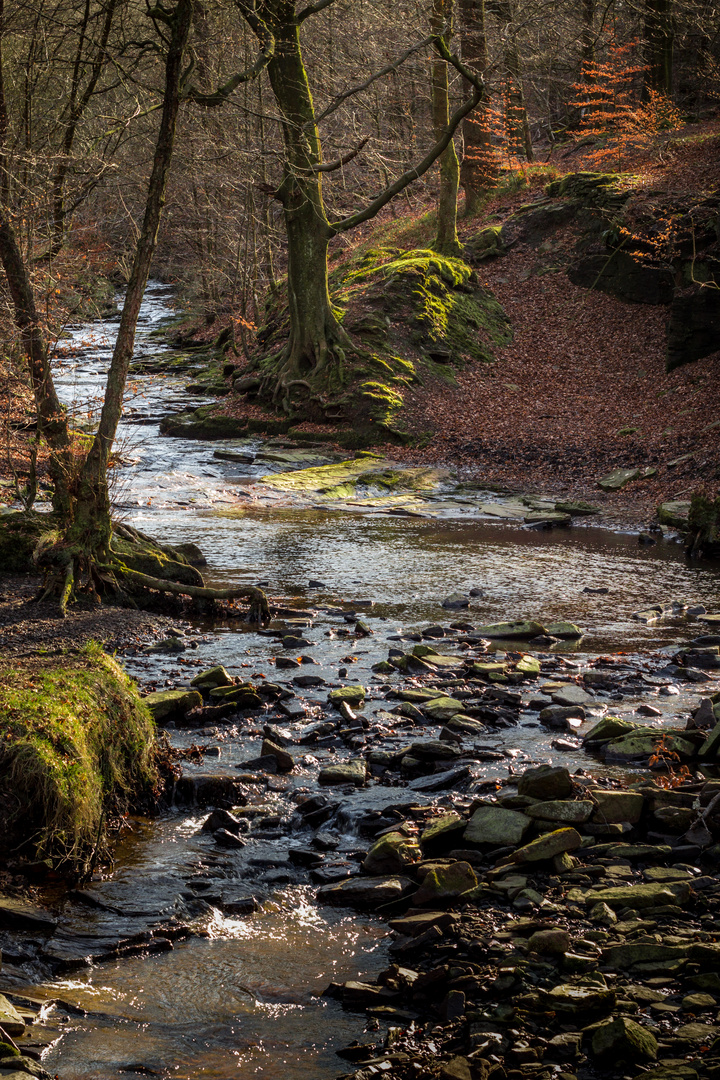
column 77, row 744
column 342, row 479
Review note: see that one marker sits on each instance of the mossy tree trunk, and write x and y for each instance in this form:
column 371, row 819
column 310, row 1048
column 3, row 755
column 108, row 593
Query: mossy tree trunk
column 317, row 340
column 313, row 360
column 446, row 240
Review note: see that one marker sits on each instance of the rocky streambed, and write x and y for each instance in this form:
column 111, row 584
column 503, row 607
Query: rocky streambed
column 450, row 814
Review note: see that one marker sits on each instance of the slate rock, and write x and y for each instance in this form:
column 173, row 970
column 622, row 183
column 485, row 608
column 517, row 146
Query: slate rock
column 366, row 893
column 545, row 782
column 348, row 772
column 622, row 1039
column 391, row 854
column 496, row 826
column 547, row 846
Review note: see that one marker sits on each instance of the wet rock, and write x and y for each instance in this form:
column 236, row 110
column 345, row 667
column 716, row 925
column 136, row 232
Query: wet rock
column 209, row 680
column 621, row 1040
column 18, row 914
column 441, row 781
column 287, row 662
column 367, row 893
column 547, row 846
column 348, row 772
column 494, row 826
column 572, row 695
column 559, row 717
column 445, row 884
column 225, row 838
column 455, row 601
column 223, row 819
column 391, row 854
column 10, row 1020
column 285, row 761
column 546, row 782
column 172, row 705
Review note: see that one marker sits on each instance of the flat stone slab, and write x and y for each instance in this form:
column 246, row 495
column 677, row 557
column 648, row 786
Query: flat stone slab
column 16, row 914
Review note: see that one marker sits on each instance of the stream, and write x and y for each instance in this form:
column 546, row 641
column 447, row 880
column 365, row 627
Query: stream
column 241, row 997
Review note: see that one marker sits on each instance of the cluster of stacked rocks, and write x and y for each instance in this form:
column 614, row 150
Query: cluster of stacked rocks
column 559, row 932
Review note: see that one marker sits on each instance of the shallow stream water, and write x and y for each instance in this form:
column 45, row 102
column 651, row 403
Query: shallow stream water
column 242, row 1000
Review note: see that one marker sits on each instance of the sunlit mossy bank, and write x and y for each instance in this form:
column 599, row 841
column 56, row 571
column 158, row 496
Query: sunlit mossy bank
column 77, row 748
column 411, row 316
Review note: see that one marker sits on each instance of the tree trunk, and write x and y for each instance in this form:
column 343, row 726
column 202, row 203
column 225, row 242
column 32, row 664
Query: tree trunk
column 517, row 127
column 659, row 39
column 478, row 172
column 77, row 105
column 317, row 341
column 51, row 418
column 446, row 240
column 92, row 528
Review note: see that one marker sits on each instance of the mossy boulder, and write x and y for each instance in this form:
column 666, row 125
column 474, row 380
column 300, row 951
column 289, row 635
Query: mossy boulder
column 19, row 536
column 674, row 513
column 444, row 884
column 521, row 630
column 621, row 1039
column 548, row 846
column 391, row 854
column 212, row 678
column 348, row 772
column 351, row 695
column 168, row 706
column 78, row 744
column 346, row 479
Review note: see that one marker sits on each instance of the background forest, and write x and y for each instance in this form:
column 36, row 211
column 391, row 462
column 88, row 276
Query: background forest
column 246, row 151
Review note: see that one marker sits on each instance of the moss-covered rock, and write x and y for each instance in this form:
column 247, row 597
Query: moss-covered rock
column 78, row 744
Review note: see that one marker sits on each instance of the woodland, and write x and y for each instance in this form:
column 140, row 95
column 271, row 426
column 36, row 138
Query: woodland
column 259, row 155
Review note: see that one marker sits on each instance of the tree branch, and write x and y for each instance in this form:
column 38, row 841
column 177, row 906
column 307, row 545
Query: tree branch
column 373, row 78
column 313, row 9
column 433, row 153
column 220, row 96
column 332, row 166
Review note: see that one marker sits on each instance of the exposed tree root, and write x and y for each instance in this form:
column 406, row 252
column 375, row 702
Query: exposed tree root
column 259, row 610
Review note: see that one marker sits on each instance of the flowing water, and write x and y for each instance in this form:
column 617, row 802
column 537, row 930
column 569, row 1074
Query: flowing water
column 243, row 999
